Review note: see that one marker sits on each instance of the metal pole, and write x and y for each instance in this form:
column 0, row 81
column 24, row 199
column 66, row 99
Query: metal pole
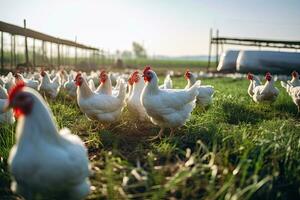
column 89, row 57
column 2, row 53
column 217, row 48
column 11, row 52
column 58, row 56
column 15, row 55
column 51, row 61
column 68, row 55
column 26, row 47
column 34, row 53
column 43, row 52
column 209, row 49
column 76, row 52
column 62, row 55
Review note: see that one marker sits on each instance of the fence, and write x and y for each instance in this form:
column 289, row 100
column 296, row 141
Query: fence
column 23, row 47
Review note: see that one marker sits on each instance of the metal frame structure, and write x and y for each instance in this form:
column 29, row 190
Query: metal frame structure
column 220, row 41
column 14, row 30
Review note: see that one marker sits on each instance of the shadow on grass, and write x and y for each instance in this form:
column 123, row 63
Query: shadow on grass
column 236, row 114
column 288, row 108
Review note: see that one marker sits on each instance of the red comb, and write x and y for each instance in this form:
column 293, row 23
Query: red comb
column 102, row 72
column 130, row 81
column 187, row 71
column 17, row 88
column 43, row 73
column 250, row 76
column 147, row 68
column 134, row 73
column 78, row 75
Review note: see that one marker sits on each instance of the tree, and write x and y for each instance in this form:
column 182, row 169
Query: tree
column 139, row 50
column 126, row 54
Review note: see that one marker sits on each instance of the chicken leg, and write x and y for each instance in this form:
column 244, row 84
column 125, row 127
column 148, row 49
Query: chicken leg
column 159, row 135
column 172, row 132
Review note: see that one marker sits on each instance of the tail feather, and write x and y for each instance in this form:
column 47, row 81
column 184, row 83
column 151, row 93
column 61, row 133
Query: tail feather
column 193, row 91
column 122, row 91
column 57, row 80
column 92, row 85
column 283, row 84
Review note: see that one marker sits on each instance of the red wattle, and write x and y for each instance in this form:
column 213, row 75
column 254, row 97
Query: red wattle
column 18, row 112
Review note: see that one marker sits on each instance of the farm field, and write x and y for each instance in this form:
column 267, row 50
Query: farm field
column 236, row 149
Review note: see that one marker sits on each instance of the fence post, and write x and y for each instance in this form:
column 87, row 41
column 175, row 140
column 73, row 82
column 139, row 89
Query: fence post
column 43, row 52
column 26, row 46
column 58, row 56
column 76, row 51
column 15, row 55
column 11, row 52
column 217, row 48
column 51, row 61
column 33, row 53
column 61, row 54
column 209, row 50
column 2, row 53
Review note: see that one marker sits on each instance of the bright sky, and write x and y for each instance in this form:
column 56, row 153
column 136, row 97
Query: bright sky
column 165, row 27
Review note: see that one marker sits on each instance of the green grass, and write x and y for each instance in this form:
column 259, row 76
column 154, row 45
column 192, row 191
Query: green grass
column 85, row 64
column 236, row 149
column 161, row 66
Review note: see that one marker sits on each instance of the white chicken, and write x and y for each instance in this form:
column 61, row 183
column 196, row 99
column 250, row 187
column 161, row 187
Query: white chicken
column 10, row 81
column 267, row 92
column 254, row 82
column 294, row 82
column 134, row 104
column 167, row 108
column 70, row 86
column 34, row 84
column 295, row 79
column 116, row 89
column 3, row 93
column 130, row 86
column 205, row 92
column 294, row 92
column 2, row 82
column 105, row 86
column 168, row 83
column 92, row 85
column 8, row 116
column 63, row 76
column 48, row 86
column 102, row 107
column 45, row 162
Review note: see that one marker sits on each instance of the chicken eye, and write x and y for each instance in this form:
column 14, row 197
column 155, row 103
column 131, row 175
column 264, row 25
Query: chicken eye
column 21, row 97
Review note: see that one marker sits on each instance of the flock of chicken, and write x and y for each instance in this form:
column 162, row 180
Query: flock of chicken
column 40, row 147
column 268, row 92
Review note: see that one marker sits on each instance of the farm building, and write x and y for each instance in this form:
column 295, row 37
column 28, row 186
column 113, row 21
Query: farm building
column 259, row 61
column 256, row 61
column 264, row 61
column 228, row 61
